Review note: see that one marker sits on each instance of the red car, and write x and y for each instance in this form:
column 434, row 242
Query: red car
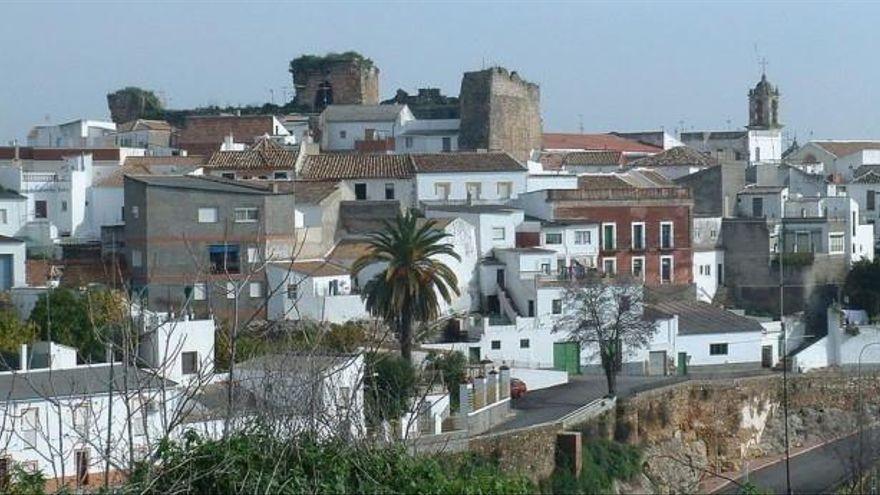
column 517, row 388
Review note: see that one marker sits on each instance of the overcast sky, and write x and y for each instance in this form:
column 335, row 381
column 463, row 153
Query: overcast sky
column 615, row 66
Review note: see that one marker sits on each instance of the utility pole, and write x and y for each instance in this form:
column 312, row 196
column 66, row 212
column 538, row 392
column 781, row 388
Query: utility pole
column 781, row 245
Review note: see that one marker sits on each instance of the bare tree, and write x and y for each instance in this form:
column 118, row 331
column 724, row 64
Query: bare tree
column 605, row 316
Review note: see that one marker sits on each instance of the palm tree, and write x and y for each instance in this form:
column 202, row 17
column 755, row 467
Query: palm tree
column 407, row 289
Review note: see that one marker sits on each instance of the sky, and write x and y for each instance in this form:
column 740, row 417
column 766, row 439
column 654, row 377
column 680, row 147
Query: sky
column 606, row 66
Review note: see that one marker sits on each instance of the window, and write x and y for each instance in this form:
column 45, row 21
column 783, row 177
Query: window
column 63, row 205
column 291, row 292
column 280, row 176
column 441, row 190
column 135, row 212
column 496, row 344
column 408, row 141
column 224, row 258
column 389, row 190
column 228, row 175
column 638, row 236
column 581, row 237
column 638, row 268
column 666, row 235
column 342, row 134
column 136, row 258
column 497, row 233
column 835, row 243
column 524, row 343
column 189, row 363
column 360, row 191
column 553, row 238
column 609, row 236
column 41, row 209
column 717, row 349
column 230, row 290
column 505, row 190
column 709, row 270
column 531, row 308
column 30, row 424
column 473, row 190
column 447, row 144
column 665, row 269
column 609, row 266
column 871, row 201
column 207, row 215
column 255, row 289
column 253, row 255
column 200, row 291
column 247, row 215
column 557, row 306
column 758, row 207
column 81, row 414
column 758, row 154
column 803, row 242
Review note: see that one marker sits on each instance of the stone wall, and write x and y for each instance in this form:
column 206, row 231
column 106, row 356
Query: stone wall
column 691, row 429
column 530, row 451
column 500, row 111
column 353, row 81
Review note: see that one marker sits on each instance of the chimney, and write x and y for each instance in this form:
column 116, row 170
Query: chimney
column 228, row 141
column 274, row 187
column 17, row 155
column 23, row 358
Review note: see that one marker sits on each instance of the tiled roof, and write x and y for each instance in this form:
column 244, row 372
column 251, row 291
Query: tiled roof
column 696, row 317
column 80, row 381
column 552, row 160
column 318, row 268
column 869, row 177
column 144, row 125
column 602, row 181
column 361, row 113
column 844, row 148
column 339, row 166
column 606, row 142
column 151, row 161
column 309, row 192
column 348, row 250
column 265, row 154
column 594, row 158
column 646, row 178
column 678, row 156
column 151, row 165
column 467, row 162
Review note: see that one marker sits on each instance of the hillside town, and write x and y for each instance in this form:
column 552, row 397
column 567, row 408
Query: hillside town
column 176, row 272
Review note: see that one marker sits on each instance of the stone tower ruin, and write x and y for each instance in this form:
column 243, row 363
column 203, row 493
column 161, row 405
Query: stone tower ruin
column 500, row 111
column 336, row 78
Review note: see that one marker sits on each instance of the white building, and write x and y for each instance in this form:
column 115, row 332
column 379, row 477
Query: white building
column 313, row 290
column 151, row 135
column 468, row 177
column 851, row 341
column 708, row 257
column 363, row 127
column 428, row 136
column 82, row 133
column 841, row 158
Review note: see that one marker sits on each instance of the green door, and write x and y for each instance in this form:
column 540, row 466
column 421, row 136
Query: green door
column 567, row 357
column 682, row 363
column 474, row 355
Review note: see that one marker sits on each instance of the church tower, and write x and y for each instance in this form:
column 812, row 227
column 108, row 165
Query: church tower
column 764, row 129
column 764, row 106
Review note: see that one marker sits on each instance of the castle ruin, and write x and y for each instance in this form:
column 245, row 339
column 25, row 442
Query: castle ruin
column 500, row 111
column 336, row 78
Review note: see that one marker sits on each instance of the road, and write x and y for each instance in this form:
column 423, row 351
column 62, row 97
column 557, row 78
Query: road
column 820, row 470
column 549, row 404
column 552, row 403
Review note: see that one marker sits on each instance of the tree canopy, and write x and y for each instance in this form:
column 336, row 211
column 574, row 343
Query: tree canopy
column 862, row 286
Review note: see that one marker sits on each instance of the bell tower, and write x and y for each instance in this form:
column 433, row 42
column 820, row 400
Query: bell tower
column 764, row 105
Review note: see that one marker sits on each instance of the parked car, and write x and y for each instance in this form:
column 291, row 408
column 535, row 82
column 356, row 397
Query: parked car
column 517, row 388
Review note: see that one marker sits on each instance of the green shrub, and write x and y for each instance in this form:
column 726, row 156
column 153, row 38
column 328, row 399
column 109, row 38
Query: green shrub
column 390, row 383
column 603, row 462
column 262, row 463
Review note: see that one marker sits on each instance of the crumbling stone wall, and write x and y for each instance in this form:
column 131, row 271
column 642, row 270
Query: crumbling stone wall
column 691, row 429
column 531, row 451
column 500, row 111
column 353, row 80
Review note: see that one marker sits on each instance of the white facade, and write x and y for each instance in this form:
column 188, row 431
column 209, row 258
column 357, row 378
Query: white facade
column 765, row 145
column 343, row 135
column 402, row 190
column 12, row 264
column 77, row 134
column 476, row 187
column 572, row 242
column 312, row 291
column 495, row 227
column 428, row 136
column 708, row 273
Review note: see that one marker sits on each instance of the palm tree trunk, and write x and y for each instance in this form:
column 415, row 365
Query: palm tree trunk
column 405, row 335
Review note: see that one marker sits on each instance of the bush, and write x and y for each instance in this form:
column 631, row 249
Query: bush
column 452, row 366
column 603, row 462
column 261, row 463
column 390, row 384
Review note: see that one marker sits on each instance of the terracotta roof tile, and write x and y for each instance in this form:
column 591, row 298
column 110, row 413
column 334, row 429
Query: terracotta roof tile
column 318, row 268
column 339, row 166
column 151, row 165
column 467, row 162
column 204, row 134
column 844, row 148
column 608, row 142
column 678, row 156
column 593, row 158
column 265, row 154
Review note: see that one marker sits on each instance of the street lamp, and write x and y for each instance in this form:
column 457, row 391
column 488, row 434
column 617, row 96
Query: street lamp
column 860, row 417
